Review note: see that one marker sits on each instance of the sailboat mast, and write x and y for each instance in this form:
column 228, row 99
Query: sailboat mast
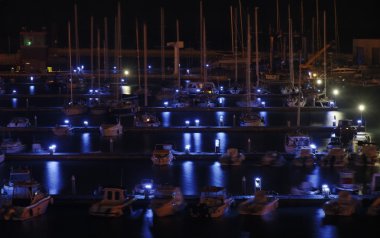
column 257, row 48
column 76, row 35
column 92, row 50
column 145, row 67
column 98, row 53
column 248, row 61
column 324, row 52
column 162, row 43
column 138, row 54
column 71, row 75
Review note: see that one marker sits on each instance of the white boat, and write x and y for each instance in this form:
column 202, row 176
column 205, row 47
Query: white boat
column 19, row 122
column 201, row 88
column 296, row 141
column 22, row 198
column 232, row 157
column 146, row 120
column 162, row 154
column 72, row 109
column 62, row 130
column 296, row 101
column 335, row 157
column 343, row 205
column 113, row 203
column 145, row 189
column 273, row 158
column 251, row 119
column 214, row 202
column 9, row 145
column 289, row 90
column 167, row 200
column 110, row 130
column 260, row 204
column 122, row 106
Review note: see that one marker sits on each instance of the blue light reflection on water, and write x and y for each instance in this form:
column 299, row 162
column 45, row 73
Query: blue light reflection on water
column 188, row 177
column 53, row 177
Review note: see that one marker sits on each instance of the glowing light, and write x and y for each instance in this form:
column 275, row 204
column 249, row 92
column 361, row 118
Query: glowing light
column 196, row 122
column 187, row 122
column 126, row 72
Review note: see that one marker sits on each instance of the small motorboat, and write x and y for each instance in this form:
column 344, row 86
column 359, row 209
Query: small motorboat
column 347, row 182
column 9, row 145
column 111, row 130
column 167, row 201
column 62, row 130
column 260, row 204
column 113, row 203
column 162, row 154
column 19, row 122
column 232, row 157
column 72, row 109
column 22, row 197
column 344, row 205
column 251, row 119
column 214, row 202
column 146, row 120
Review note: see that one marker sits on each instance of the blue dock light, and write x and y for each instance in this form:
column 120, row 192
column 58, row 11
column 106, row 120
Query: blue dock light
column 85, row 123
column 196, row 122
column 217, row 145
column 257, row 184
column 31, row 78
column 52, row 148
column 166, row 103
column 263, row 103
column 187, row 149
column 359, row 122
column 67, row 121
column 325, row 190
column 14, row 91
column 187, row 122
column 313, row 148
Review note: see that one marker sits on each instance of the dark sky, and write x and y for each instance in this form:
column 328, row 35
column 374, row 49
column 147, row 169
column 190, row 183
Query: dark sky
column 357, row 19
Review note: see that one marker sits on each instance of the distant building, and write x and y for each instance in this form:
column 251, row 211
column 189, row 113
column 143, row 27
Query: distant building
column 366, row 51
column 33, row 51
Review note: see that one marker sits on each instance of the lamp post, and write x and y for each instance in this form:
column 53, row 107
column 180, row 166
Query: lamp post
column 361, row 109
column 335, row 93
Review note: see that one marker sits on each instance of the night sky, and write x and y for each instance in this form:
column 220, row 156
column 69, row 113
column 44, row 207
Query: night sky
column 356, row 20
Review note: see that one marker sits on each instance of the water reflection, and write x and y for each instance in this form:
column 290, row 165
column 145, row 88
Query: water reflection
column 53, row 177
column 188, row 178
column 166, row 119
column 85, row 143
column 31, row 90
column 216, row 177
